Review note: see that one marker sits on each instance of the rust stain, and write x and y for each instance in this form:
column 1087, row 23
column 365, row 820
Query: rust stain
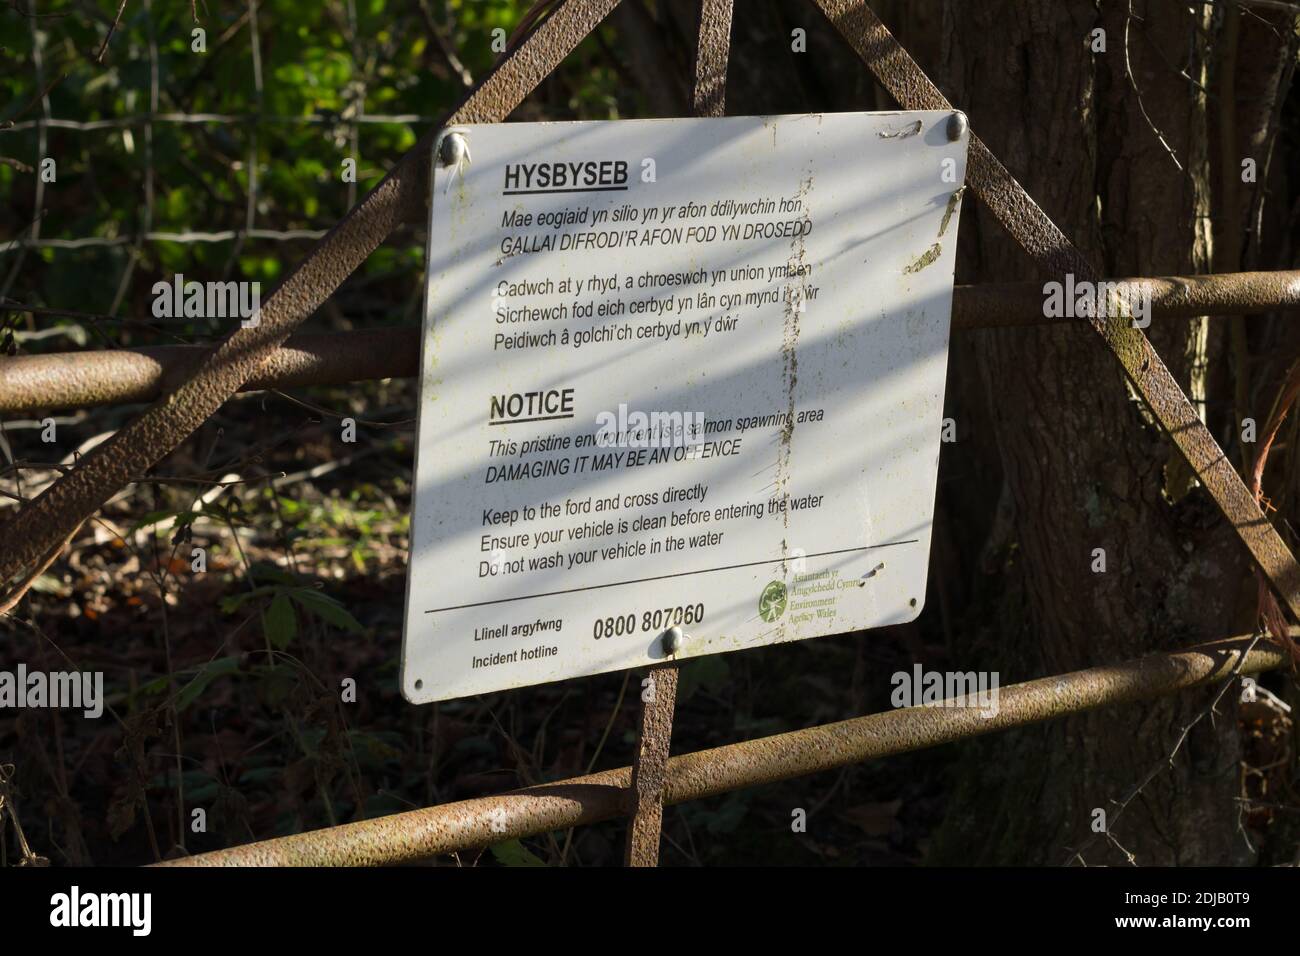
column 911, row 129
column 953, row 200
column 924, row 259
column 790, row 368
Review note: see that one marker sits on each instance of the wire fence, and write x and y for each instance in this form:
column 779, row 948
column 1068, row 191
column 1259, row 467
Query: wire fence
column 21, row 294
column 346, row 122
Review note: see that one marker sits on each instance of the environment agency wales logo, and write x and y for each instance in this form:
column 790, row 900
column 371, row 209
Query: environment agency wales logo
column 771, row 603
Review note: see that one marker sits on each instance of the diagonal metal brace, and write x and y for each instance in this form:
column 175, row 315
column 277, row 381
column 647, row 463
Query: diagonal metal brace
column 1049, row 247
column 713, row 52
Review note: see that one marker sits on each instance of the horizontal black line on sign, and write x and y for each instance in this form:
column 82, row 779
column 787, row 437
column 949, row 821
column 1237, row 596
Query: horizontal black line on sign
column 662, row 577
column 581, row 189
column 516, row 421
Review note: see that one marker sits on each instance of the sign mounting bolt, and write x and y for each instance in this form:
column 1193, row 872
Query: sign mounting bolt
column 674, row 640
column 453, row 150
column 957, row 126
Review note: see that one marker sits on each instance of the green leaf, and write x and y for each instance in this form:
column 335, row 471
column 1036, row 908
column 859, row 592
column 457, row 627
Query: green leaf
column 233, row 603
column 514, row 853
column 261, row 775
column 279, row 622
column 723, row 819
column 221, row 667
column 202, row 794
column 156, row 517
column 155, row 686
column 372, row 750
column 327, row 609
column 264, row 571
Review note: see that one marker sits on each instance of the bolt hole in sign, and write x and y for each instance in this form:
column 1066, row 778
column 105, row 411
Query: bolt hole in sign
column 682, row 373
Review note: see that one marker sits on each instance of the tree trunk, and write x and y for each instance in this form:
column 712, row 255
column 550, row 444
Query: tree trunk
column 1084, row 468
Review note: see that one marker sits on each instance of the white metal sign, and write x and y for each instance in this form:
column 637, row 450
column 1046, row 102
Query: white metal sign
column 676, row 373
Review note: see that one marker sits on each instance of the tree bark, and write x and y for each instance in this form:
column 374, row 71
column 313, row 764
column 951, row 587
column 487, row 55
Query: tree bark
column 1083, row 467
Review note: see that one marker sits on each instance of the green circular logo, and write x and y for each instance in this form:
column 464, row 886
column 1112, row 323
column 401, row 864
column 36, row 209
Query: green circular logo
column 771, row 603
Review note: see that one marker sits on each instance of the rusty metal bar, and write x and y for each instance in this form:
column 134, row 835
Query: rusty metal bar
column 655, row 717
column 87, row 379
column 1039, row 236
column 39, row 526
column 650, row 768
column 1000, row 304
column 468, row 824
column 711, row 55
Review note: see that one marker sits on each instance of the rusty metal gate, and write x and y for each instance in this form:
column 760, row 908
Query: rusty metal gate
column 191, row 382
